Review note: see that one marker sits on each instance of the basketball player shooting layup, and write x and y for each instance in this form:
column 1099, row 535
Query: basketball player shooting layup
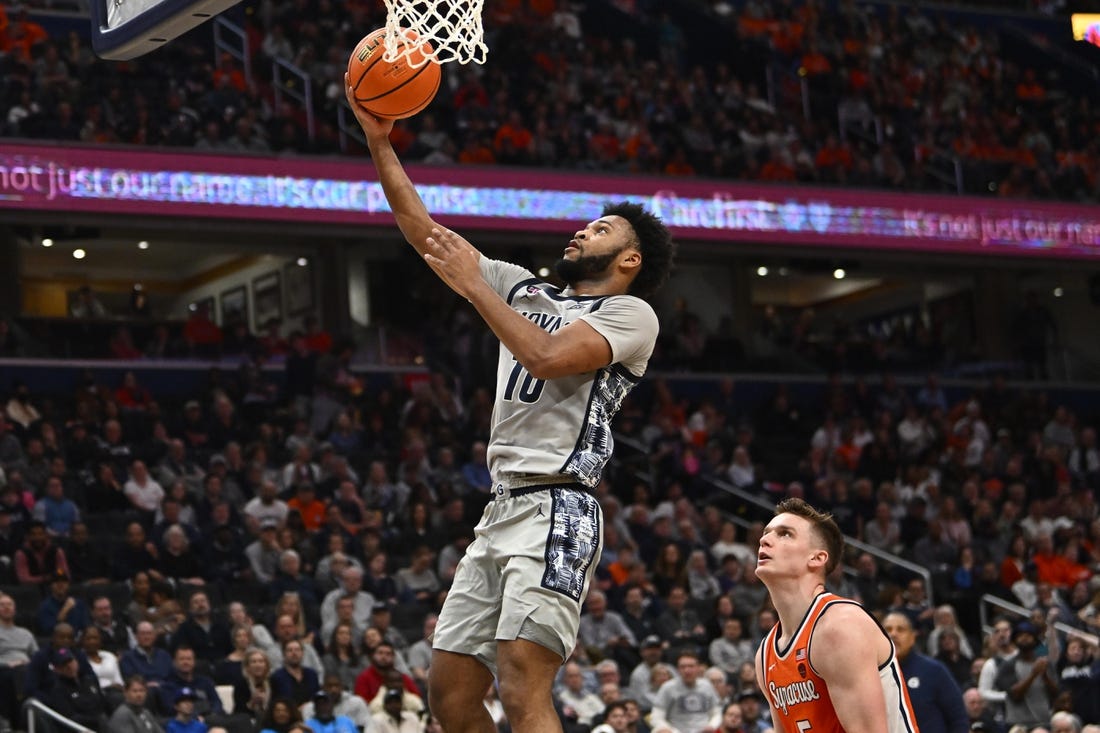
column 567, row 359
column 827, row 666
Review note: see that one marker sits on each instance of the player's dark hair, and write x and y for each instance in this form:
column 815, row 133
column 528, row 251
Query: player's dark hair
column 824, row 526
column 654, row 241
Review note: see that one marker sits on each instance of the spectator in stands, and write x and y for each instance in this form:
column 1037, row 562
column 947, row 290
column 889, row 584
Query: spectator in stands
column 177, row 465
column 286, row 628
column 17, row 646
column 669, row 711
column 290, row 579
column 418, row 582
column 143, row 491
column 87, row 305
column 342, row 656
column 732, row 649
column 419, row 655
column 264, row 553
column 252, row 692
column 87, row 562
column 978, row 713
column 39, row 560
column 145, row 658
column 184, row 719
column 56, row 511
column 377, row 675
column 377, row 581
column 324, row 718
column 352, row 583
column 603, row 632
column 292, row 680
column 177, row 561
column 132, row 716
column 1026, row 680
column 183, row 675
column 651, row 650
column 937, row 699
column 115, row 636
column 231, row 668
column 206, row 636
column 347, row 705
column 381, row 619
column 265, row 506
column 105, row 666
column 74, row 693
column 61, row 606
column 394, row 718
column 573, row 695
column 308, row 506
column 226, row 555
column 1078, row 673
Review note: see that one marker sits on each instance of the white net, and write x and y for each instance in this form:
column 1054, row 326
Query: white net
column 452, row 27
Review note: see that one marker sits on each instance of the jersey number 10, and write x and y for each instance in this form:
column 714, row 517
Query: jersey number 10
column 530, row 389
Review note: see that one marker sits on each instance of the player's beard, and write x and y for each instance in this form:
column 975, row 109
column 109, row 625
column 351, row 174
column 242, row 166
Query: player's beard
column 585, row 267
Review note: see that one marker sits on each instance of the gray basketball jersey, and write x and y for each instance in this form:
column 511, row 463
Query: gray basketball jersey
column 548, row 427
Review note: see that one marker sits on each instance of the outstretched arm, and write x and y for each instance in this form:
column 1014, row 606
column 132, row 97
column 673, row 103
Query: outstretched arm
column 412, row 216
column 574, row 349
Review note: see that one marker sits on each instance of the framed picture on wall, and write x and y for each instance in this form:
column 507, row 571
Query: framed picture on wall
column 234, row 304
column 299, row 286
column 267, row 298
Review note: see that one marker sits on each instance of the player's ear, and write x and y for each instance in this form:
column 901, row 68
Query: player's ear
column 631, row 259
column 819, row 559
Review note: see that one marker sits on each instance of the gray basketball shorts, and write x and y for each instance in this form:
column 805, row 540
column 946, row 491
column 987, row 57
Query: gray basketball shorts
column 525, row 575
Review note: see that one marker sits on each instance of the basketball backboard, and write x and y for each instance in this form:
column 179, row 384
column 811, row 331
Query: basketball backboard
column 126, row 29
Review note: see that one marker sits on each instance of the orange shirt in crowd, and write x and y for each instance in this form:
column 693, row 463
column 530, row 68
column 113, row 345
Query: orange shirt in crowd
column 519, row 136
column 816, row 63
column 313, row 513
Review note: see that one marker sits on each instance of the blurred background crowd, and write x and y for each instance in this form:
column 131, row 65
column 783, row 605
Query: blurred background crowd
column 875, row 95
column 317, row 523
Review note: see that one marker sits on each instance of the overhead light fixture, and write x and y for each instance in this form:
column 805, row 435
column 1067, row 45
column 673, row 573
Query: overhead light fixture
column 762, row 271
column 783, row 272
column 1058, row 292
column 79, row 254
column 47, row 242
column 302, row 262
column 143, row 244
column 839, row 273
column 544, row 272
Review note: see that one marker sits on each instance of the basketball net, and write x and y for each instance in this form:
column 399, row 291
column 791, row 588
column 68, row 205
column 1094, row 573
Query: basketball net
column 452, row 27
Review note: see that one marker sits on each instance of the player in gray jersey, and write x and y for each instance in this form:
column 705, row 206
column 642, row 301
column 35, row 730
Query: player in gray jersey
column 568, row 357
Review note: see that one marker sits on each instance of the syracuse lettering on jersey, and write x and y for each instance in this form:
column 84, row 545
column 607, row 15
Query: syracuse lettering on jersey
column 792, row 694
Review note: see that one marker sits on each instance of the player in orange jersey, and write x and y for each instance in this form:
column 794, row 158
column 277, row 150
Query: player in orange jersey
column 827, row 666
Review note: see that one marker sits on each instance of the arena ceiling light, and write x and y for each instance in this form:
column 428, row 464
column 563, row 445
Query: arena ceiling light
column 762, row 271
column 143, row 244
column 839, row 273
column 47, row 242
column 79, row 253
column 302, row 262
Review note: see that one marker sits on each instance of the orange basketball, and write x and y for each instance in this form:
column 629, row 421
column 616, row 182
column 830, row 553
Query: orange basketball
column 392, row 90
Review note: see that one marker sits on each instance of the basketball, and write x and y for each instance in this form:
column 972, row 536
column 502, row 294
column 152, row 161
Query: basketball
column 394, row 90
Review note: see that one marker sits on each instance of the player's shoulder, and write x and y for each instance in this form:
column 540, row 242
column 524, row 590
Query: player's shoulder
column 628, row 305
column 841, row 619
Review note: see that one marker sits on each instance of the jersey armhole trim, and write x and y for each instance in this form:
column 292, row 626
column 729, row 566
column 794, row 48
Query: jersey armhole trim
column 835, row 601
column 520, row 284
